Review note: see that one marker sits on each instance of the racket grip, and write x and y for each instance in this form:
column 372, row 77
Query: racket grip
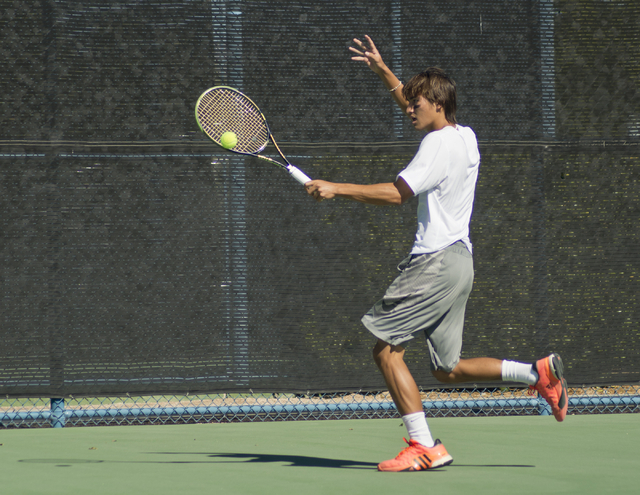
column 298, row 175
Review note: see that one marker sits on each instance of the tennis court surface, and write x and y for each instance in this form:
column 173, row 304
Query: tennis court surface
column 585, row 454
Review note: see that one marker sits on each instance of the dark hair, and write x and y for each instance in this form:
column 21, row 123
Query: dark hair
column 436, row 87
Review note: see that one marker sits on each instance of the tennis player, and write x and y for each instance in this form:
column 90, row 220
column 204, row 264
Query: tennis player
column 429, row 295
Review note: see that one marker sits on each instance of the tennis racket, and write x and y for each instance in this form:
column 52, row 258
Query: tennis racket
column 223, row 109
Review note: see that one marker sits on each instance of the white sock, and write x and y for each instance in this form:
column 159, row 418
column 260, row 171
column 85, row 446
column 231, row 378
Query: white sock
column 418, row 429
column 513, row 371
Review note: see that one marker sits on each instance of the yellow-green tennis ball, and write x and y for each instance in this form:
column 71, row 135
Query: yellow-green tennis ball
column 229, row 140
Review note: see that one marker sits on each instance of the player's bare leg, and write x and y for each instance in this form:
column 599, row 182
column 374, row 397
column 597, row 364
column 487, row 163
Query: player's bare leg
column 546, row 376
column 482, row 369
column 400, row 382
column 423, row 452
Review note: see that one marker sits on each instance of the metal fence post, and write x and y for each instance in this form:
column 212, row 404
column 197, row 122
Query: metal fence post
column 57, row 418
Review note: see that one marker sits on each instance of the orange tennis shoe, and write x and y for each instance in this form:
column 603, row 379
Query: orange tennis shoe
column 417, row 457
column 552, row 385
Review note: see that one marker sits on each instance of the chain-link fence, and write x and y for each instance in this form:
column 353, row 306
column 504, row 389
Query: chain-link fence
column 216, row 408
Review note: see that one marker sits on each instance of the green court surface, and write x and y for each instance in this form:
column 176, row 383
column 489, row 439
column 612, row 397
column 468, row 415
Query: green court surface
column 495, row 455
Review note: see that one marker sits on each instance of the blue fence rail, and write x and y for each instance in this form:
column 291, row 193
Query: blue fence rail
column 61, row 412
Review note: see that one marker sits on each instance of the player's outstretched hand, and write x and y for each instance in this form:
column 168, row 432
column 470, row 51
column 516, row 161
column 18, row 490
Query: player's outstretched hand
column 366, row 51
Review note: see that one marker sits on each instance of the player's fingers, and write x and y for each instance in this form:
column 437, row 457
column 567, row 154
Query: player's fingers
column 372, row 45
column 363, row 48
column 361, row 59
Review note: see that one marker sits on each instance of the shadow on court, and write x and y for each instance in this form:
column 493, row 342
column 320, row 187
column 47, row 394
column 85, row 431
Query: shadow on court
column 306, row 461
column 291, row 460
column 295, row 460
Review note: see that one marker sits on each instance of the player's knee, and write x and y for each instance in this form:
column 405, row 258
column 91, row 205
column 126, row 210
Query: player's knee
column 385, row 354
column 444, row 376
column 377, row 355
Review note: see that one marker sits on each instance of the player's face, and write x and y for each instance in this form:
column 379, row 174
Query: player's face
column 425, row 116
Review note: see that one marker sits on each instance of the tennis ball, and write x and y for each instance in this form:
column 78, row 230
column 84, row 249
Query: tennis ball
column 229, row 140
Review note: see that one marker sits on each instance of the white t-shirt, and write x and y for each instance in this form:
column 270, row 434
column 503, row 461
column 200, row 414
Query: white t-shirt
column 443, row 175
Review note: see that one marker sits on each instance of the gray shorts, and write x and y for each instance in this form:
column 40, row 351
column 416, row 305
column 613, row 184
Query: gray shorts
column 430, row 295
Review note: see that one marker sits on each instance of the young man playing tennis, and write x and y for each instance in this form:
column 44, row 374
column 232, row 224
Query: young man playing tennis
column 431, row 291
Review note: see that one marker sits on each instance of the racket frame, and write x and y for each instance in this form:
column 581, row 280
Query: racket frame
column 294, row 171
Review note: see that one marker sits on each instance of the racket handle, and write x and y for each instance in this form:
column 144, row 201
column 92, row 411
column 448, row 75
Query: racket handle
column 298, row 175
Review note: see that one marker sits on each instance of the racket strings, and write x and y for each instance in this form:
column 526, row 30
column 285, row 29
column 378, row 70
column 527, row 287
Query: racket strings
column 222, row 110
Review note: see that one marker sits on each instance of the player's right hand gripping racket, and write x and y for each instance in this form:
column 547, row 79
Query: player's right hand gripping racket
column 223, row 109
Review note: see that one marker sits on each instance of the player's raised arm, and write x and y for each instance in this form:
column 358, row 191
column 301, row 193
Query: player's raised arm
column 366, row 51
